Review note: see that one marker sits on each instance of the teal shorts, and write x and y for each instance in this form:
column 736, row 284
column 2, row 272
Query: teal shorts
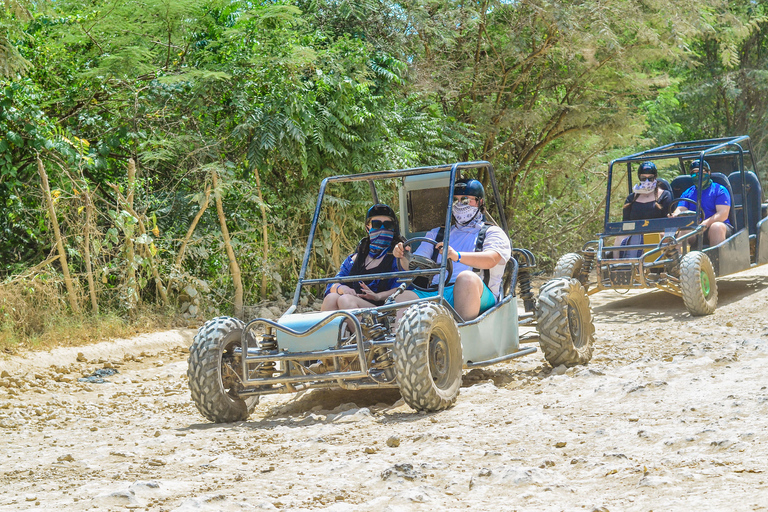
column 487, row 300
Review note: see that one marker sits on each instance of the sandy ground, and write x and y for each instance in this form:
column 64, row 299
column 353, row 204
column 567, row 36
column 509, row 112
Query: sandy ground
column 671, row 414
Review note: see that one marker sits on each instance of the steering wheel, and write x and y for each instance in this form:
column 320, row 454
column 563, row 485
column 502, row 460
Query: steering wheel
column 417, row 262
column 693, row 211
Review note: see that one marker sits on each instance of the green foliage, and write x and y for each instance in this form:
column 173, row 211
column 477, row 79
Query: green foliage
column 549, row 87
column 722, row 88
column 295, row 91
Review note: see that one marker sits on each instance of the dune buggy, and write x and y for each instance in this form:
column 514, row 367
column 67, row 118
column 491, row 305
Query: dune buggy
column 665, row 259
column 232, row 363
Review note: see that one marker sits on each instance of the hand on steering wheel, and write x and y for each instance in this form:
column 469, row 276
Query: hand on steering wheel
column 417, row 262
column 673, row 204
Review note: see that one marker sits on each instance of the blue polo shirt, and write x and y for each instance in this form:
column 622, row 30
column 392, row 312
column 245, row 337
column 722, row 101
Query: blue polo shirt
column 711, row 196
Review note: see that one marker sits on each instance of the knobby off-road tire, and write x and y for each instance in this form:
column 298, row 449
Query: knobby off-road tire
column 564, row 322
column 570, row 265
column 211, row 378
column 698, row 283
column 428, row 358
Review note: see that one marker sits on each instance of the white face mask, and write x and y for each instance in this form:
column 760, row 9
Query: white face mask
column 644, row 187
column 464, row 213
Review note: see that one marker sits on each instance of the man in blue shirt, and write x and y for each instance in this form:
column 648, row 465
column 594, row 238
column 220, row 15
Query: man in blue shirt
column 715, row 202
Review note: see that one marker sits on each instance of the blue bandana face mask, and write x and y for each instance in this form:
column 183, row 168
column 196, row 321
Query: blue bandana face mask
column 381, row 239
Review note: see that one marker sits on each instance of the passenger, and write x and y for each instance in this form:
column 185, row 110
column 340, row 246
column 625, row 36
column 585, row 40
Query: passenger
column 647, row 201
column 372, row 256
column 467, row 293
column 715, row 202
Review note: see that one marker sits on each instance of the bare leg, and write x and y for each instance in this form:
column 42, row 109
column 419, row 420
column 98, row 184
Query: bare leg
column 334, row 302
column 466, row 294
column 404, row 297
column 353, row 302
column 330, row 302
column 717, row 232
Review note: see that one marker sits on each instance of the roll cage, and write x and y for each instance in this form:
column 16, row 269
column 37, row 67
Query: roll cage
column 723, row 154
column 453, row 171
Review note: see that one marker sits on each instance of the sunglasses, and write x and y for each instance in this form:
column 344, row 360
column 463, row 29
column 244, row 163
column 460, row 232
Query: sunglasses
column 386, row 224
column 647, row 178
column 463, row 200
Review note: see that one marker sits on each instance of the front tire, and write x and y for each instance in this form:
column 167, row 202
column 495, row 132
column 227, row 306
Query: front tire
column 564, row 322
column 428, row 358
column 698, row 283
column 213, row 372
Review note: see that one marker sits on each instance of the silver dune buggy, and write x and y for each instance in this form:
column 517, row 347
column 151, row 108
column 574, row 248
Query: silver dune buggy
column 232, row 363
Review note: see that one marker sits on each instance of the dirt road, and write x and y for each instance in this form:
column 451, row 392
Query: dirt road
column 671, row 414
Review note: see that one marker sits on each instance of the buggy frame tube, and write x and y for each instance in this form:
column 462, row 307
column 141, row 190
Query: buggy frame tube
column 304, row 334
column 640, row 261
column 307, row 356
column 514, row 355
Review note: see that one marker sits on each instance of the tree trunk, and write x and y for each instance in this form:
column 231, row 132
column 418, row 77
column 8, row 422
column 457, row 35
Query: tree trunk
column 133, row 284
column 87, row 252
column 264, row 237
column 185, row 242
column 187, row 237
column 234, row 268
column 147, row 252
column 57, row 233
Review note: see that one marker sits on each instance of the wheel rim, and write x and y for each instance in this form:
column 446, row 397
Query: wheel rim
column 574, row 324
column 706, row 286
column 439, row 360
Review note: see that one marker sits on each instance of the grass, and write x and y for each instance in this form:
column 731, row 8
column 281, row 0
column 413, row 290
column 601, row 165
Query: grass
column 34, row 315
column 77, row 330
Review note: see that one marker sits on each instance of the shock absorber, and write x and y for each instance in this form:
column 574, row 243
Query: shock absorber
column 527, row 262
column 672, row 252
column 526, row 292
column 589, row 262
column 268, row 342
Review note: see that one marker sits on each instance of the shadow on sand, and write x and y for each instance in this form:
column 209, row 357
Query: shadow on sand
column 295, row 411
column 665, row 307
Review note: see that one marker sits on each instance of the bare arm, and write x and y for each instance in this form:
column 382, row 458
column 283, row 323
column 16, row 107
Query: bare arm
column 721, row 215
column 485, row 259
column 399, row 252
column 369, row 294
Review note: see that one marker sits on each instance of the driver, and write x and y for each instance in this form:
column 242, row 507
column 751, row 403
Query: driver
column 715, row 202
column 466, row 292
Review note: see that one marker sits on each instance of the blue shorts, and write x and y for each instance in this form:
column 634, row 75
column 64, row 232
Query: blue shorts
column 487, row 299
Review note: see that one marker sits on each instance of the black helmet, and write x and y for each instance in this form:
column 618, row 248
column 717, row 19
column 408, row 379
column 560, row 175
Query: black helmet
column 469, row 187
column 647, row 168
column 695, row 165
column 381, row 209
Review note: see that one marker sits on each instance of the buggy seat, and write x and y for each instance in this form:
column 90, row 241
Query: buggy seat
column 753, row 193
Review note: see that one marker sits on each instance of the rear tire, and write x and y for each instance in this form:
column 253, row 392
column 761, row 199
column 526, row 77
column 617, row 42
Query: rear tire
column 428, row 359
column 570, row 265
column 213, row 370
column 698, row 283
column 564, row 322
